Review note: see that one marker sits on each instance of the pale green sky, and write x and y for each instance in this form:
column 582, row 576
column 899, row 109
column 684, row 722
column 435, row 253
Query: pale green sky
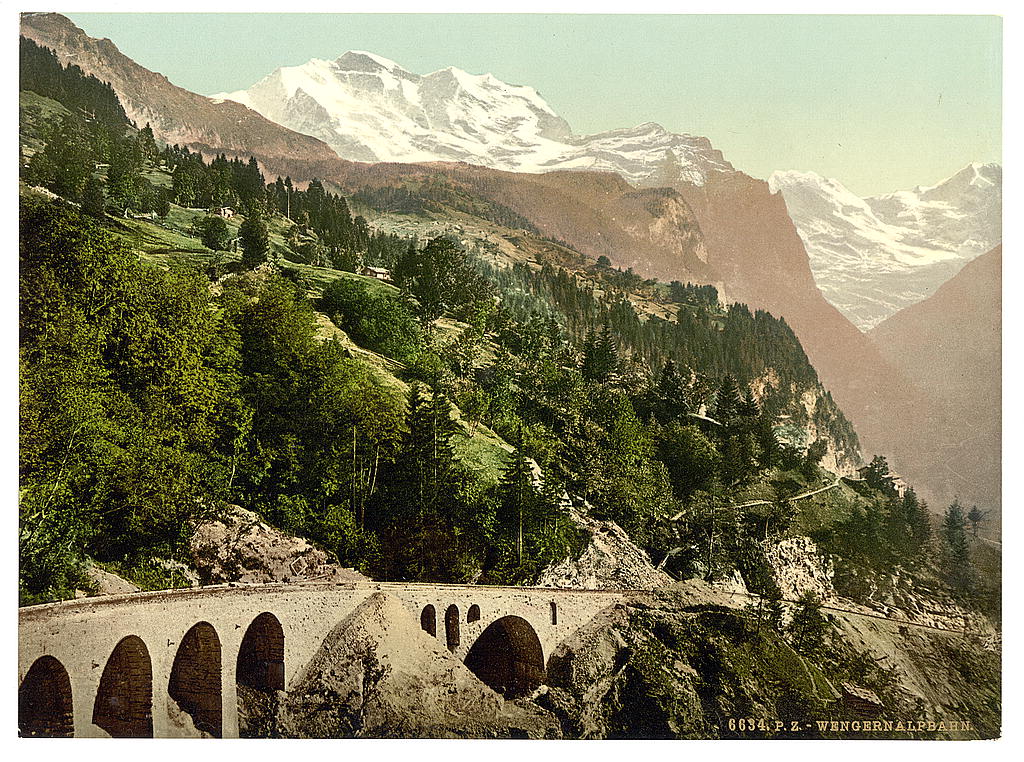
column 879, row 102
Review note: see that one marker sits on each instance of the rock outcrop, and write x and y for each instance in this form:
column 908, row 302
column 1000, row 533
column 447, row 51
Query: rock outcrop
column 379, row 675
column 610, row 561
column 107, row 583
column 241, row 547
column 799, row 568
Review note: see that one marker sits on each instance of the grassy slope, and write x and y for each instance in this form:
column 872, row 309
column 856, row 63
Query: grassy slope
column 166, row 243
column 35, row 112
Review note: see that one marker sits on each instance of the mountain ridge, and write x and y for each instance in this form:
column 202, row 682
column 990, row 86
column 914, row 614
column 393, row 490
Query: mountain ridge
column 176, row 115
column 728, row 230
column 954, row 338
column 875, row 255
column 369, row 108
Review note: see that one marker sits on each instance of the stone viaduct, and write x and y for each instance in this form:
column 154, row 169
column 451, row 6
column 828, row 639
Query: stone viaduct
column 136, row 665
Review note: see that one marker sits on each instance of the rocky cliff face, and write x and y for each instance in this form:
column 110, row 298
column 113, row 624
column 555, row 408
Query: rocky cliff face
column 677, row 663
column 176, row 115
column 799, row 568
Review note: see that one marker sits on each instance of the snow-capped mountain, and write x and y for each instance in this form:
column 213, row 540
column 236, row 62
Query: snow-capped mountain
column 873, row 256
column 368, row 108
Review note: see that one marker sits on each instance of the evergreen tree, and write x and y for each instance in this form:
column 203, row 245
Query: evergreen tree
column 957, row 547
column 163, row 204
column 748, row 407
column 921, row 527
column 600, row 355
column 877, row 473
column 147, row 143
column 808, row 626
column 517, row 500
column 94, row 202
column 727, row 400
column 255, row 242
column 975, row 516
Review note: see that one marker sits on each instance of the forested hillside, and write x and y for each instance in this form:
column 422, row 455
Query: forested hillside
column 195, row 335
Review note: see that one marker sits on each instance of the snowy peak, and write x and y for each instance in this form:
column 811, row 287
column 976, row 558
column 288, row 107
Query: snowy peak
column 873, row 256
column 974, row 175
column 361, row 60
column 369, row 108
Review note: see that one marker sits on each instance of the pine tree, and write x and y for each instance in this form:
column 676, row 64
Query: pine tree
column 975, row 516
column 517, row 500
column 748, row 407
column 957, row 547
column 877, row 473
column 94, row 202
column 727, row 400
column 163, row 203
column 607, row 353
column 255, row 242
column 600, row 355
column 147, row 143
column 808, row 626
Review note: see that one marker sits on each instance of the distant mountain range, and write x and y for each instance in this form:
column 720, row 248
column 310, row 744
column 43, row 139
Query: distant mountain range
column 368, row 108
column 872, row 257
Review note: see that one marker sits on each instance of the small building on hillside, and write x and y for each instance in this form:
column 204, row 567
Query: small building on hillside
column 380, row 273
column 224, row 211
column 898, row 484
column 893, row 479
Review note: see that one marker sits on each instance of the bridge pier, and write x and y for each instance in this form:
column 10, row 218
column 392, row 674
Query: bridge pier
column 161, row 702
column 229, row 718
column 83, row 694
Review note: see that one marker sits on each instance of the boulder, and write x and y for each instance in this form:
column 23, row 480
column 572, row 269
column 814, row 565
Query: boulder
column 610, row 560
column 241, row 547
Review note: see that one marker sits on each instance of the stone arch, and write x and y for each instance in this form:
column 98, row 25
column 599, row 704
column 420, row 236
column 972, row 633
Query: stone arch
column 259, row 672
column 428, row 620
column 45, row 709
column 195, row 682
column 124, row 701
column 508, row 657
column 260, row 662
column 451, row 627
column 474, row 614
